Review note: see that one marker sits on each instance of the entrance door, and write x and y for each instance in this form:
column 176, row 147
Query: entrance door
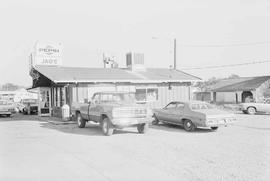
column 44, row 102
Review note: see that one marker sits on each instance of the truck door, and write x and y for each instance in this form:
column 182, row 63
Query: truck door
column 93, row 112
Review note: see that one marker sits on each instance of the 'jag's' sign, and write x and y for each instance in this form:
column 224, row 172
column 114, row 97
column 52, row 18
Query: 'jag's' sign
column 48, row 54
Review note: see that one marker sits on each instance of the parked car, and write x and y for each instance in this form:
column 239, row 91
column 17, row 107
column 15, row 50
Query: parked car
column 193, row 114
column 114, row 110
column 30, row 106
column 6, row 108
column 254, row 107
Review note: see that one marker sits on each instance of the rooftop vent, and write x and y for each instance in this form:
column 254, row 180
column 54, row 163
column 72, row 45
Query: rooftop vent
column 135, row 61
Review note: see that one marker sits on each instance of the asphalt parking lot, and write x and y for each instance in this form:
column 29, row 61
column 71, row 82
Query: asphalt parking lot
column 34, row 149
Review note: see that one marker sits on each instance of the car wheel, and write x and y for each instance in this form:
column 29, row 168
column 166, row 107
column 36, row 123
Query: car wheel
column 143, row 128
column 80, row 121
column 214, row 128
column 251, row 110
column 189, row 126
column 155, row 121
column 107, row 127
column 244, row 111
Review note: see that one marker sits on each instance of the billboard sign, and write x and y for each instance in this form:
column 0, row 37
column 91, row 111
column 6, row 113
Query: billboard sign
column 49, row 54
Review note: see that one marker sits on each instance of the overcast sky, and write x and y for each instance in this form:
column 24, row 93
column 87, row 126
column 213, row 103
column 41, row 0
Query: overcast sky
column 88, row 28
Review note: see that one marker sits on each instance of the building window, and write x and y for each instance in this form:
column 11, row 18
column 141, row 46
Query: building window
column 146, row 94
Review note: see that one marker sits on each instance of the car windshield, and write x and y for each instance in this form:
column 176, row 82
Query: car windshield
column 117, row 97
column 197, row 106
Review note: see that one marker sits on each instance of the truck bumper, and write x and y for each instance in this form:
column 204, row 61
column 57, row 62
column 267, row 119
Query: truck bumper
column 126, row 122
column 219, row 123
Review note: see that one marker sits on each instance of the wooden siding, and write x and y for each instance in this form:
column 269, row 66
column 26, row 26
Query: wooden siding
column 166, row 92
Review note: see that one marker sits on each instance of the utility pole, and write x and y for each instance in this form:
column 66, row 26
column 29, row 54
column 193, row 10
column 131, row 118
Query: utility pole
column 174, row 54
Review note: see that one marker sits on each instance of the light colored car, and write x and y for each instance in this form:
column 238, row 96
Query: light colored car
column 193, row 114
column 114, row 110
column 254, row 107
column 6, row 108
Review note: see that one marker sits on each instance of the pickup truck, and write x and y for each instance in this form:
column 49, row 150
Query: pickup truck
column 114, row 110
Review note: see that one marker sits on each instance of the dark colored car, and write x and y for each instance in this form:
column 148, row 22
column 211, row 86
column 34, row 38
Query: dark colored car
column 193, row 114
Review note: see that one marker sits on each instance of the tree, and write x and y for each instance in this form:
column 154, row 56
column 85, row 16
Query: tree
column 10, row 87
column 206, row 85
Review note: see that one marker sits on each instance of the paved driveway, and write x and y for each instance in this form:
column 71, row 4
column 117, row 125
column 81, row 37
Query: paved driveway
column 38, row 150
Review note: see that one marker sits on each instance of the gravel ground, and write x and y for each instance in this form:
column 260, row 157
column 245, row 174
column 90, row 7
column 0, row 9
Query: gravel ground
column 34, row 149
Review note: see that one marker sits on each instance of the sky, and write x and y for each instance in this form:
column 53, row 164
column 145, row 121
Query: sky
column 208, row 33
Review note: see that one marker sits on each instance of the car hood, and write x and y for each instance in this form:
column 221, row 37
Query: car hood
column 215, row 113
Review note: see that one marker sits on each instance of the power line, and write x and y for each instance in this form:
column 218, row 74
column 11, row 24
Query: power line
column 228, row 65
column 226, row 45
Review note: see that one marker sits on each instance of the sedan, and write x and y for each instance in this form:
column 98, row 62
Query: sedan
column 254, row 107
column 193, row 114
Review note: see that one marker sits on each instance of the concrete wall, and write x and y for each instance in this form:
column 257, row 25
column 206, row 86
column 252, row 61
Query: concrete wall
column 203, row 96
column 226, row 97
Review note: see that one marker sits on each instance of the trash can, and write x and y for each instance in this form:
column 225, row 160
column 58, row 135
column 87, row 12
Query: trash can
column 65, row 112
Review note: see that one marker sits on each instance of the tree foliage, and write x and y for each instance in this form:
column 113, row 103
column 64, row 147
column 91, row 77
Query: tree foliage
column 10, row 87
column 206, row 85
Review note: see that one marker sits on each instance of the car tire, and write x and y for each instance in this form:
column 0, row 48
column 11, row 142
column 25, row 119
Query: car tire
column 155, row 121
column 107, row 127
column 251, row 110
column 214, row 128
column 143, row 128
column 244, row 111
column 80, row 121
column 188, row 125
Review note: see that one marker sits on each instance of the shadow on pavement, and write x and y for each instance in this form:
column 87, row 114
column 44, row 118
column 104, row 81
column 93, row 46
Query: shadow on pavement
column 177, row 128
column 257, row 113
column 19, row 117
column 90, row 129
